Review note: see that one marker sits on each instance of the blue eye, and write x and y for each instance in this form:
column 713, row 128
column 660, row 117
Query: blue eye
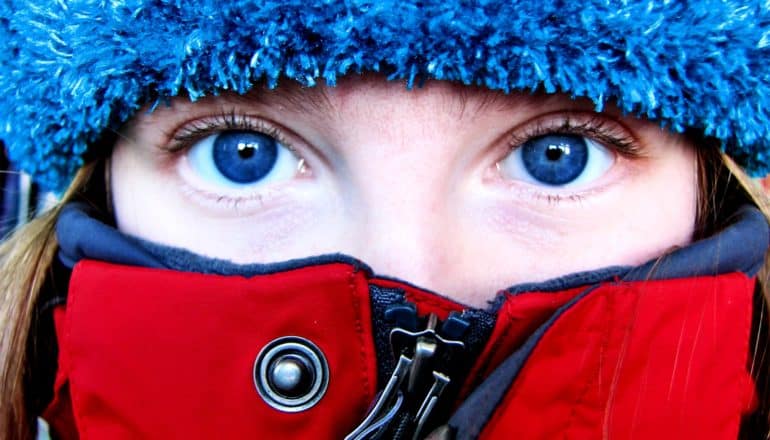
column 239, row 158
column 557, row 160
column 243, row 156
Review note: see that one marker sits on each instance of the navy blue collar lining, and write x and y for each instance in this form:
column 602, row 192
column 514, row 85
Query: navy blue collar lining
column 740, row 247
column 81, row 236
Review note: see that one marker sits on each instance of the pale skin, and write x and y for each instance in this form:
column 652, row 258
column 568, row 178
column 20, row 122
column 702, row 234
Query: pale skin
column 415, row 183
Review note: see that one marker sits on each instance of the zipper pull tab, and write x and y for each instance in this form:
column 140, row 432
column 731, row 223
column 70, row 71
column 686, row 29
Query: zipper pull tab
column 422, row 375
column 424, row 352
column 440, row 382
column 387, row 405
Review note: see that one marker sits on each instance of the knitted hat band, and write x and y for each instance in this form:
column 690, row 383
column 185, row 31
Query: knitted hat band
column 70, row 70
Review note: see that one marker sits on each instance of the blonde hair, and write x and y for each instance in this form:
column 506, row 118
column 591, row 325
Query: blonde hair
column 26, row 257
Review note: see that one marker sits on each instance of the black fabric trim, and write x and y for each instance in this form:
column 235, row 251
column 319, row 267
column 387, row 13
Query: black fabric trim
column 381, row 299
column 756, row 426
column 476, row 411
column 52, row 304
column 9, row 201
column 42, row 347
column 414, row 286
column 482, row 324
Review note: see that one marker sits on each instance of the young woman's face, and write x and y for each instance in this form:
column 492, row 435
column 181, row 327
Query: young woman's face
column 458, row 190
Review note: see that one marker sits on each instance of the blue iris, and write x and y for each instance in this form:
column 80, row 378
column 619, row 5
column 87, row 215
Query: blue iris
column 555, row 159
column 244, row 156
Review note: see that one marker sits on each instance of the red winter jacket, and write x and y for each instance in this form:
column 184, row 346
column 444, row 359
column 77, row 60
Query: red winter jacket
column 149, row 347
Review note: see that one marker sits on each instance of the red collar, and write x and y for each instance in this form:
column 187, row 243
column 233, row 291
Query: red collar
column 153, row 353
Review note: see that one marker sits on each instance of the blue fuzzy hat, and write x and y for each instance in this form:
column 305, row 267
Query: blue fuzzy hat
column 72, row 69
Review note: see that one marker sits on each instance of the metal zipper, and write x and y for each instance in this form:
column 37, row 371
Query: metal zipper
column 426, row 361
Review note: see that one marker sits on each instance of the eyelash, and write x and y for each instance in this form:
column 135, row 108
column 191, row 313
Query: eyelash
column 587, row 125
column 199, row 129
column 590, row 125
column 184, row 137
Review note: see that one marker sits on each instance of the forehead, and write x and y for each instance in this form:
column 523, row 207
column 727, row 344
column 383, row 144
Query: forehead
column 373, row 95
column 443, row 96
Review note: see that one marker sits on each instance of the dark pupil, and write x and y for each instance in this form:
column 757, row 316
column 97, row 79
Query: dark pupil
column 554, row 152
column 246, row 150
column 555, row 159
column 244, row 156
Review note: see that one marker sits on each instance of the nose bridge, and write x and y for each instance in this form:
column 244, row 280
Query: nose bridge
column 402, row 166
column 403, row 224
column 406, row 245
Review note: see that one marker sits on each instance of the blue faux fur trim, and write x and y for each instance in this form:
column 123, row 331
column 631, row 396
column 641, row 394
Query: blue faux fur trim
column 71, row 69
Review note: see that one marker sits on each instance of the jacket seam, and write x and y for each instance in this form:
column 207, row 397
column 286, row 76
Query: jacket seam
column 596, row 368
column 356, row 304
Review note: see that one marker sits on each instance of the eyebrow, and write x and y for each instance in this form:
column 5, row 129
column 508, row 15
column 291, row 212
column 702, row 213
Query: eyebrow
column 483, row 99
column 468, row 100
column 295, row 99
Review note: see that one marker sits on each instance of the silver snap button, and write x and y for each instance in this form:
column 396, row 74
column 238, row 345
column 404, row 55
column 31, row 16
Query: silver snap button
column 291, row 374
